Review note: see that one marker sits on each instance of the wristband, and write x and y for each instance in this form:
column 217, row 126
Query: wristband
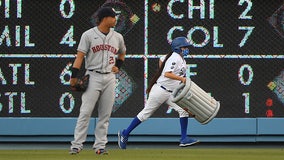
column 119, row 63
column 74, row 72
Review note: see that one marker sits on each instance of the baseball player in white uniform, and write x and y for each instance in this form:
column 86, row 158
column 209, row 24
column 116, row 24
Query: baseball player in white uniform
column 103, row 50
column 171, row 72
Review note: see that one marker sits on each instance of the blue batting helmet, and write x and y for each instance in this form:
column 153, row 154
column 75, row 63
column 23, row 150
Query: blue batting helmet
column 179, row 42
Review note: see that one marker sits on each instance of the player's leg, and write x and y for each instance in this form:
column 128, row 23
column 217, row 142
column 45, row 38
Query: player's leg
column 89, row 99
column 156, row 97
column 183, row 117
column 105, row 105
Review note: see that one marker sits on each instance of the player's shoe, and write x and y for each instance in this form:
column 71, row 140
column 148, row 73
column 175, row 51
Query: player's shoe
column 122, row 140
column 102, row 152
column 188, row 142
column 74, row 151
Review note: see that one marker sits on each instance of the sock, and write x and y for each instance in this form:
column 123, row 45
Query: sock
column 183, row 126
column 135, row 122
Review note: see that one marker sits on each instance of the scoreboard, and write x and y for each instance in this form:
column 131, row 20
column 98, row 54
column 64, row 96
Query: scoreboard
column 236, row 53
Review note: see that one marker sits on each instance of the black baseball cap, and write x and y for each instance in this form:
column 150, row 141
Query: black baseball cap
column 106, row 12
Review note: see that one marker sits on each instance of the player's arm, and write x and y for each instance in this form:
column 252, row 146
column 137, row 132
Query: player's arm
column 76, row 67
column 121, row 56
column 175, row 77
column 79, row 60
column 119, row 62
column 160, row 63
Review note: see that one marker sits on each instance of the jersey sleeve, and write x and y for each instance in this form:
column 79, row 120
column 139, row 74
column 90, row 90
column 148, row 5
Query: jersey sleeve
column 84, row 44
column 170, row 65
column 163, row 58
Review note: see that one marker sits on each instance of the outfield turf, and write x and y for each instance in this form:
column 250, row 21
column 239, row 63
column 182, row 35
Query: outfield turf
column 149, row 154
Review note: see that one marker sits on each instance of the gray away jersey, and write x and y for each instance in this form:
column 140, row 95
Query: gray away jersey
column 100, row 50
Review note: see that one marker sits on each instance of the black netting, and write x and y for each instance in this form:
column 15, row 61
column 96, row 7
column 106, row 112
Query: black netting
column 236, row 53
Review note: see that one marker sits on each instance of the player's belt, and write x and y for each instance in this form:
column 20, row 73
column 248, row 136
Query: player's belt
column 99, row 72
column 166, row 89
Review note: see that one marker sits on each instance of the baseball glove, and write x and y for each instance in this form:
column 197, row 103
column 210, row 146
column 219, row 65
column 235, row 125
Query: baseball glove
column 82, row 84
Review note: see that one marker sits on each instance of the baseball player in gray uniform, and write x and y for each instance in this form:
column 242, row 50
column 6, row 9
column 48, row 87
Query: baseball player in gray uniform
column 171, row 72
column 103, row 50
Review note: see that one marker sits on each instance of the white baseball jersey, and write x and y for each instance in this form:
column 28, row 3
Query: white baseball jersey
column 158, row 95
column 100, row 49
column 175, row 64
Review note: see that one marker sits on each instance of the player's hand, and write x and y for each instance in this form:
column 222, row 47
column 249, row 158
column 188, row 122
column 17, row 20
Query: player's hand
column 73, row 81
column 183, row 80
column 115, row 69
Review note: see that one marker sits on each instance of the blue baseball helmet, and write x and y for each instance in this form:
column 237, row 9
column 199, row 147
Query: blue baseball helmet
column 179, row 42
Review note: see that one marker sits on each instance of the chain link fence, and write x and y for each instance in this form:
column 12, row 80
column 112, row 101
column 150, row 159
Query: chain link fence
column 236, row 53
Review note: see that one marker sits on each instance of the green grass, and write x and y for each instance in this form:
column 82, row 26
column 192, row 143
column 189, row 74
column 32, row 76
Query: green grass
column 148, row 154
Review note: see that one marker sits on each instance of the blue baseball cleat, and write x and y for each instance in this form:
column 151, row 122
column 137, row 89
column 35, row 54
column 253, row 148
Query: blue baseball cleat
column 188, row 142
column 122, row 140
